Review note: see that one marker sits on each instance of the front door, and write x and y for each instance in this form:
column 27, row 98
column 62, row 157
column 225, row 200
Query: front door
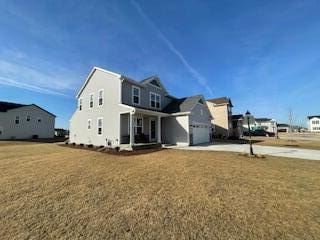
column 152, row 130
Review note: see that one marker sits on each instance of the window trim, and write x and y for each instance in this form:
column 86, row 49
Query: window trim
column 80, row 104
column 155, row 100
column 89, row 120
column 91, row 94
column 132, row 91
column 135, row 125
column 102, row 97
column 17, row 120
column 100, row 118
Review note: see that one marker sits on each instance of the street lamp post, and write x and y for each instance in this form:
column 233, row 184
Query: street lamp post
column 248, row 116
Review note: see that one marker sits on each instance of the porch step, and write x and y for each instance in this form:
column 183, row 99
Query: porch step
column 147, row 146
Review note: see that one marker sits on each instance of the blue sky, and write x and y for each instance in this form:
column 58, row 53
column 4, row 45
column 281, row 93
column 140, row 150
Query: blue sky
column 265, row 55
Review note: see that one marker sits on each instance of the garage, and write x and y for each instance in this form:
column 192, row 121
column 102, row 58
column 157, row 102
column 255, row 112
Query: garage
column 201, row 134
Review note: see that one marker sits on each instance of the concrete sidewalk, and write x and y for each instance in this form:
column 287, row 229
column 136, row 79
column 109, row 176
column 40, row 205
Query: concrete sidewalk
column 265, row 150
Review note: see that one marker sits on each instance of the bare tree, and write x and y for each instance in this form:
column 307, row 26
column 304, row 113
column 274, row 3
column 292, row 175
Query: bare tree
column 290, row 119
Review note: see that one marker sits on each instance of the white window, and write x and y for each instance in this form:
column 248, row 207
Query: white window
column 28, row 118
column 138, row 125
column 155, row 100
column 89, row 124
column 135, row 95
column 91, row 100
column 80, row 104
column 17, row 120
column 39, row 120
column 100, row 126
column 100, row 100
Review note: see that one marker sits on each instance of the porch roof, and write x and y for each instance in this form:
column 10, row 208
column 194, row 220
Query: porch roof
column 145, row 111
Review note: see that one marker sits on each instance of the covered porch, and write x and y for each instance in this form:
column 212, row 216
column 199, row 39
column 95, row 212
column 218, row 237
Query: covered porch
column 140, row 127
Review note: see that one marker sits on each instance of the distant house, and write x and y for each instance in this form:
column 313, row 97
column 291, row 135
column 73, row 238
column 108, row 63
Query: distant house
column 221, row 112
column 268, row 124
column 314, row 123
column 21, row 121
column 283, row 127
column 60, row 132
column 117, row 111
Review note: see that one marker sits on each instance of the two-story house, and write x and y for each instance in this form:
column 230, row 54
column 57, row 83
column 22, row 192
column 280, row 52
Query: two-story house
column 314, row 123
column 25, row 121
column 117, row 111
column 221, row 112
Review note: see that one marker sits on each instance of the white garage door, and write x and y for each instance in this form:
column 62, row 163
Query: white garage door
column 201, row 134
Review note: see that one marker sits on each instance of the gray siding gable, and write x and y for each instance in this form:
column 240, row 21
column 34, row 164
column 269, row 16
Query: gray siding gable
column 145, row 91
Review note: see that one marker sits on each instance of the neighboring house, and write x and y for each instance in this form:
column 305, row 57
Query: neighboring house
column 267, row 124
column 237, row 125
column 117, row 111
column 60, row 132
column 20, row 121
column 221, row 112
column 283, row 127
column 314, row 123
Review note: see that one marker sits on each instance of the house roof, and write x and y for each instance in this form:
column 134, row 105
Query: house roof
column 5, row 106
column 237, row 117
column 221, row 100
column 314, row 116
column 263, row 119
column 182, row 104
column 282, row 125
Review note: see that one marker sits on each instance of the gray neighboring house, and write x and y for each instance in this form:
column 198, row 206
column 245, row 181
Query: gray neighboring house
column 21, row 121
column 117, row 111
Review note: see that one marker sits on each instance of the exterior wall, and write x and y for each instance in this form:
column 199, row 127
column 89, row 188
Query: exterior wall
column 26, row 129
column 237, row 128
column 200, row 114
column 221, row 119
column 109, row 111
column 314, row 124
column 175, row 130
column 144, row 96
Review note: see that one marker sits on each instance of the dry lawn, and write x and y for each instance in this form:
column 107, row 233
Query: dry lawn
column 270, row 141
column 53, row 192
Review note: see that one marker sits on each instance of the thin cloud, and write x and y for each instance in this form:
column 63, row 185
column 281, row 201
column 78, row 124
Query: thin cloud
column 42, row 76
column 14, row 83
column 201, row 79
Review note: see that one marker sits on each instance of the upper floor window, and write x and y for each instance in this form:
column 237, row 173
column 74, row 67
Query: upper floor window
column 39, row 120
column 91, row 100
column 315, row 122
column 28, row 118
column 135, row 95
column 155, row 100
column 80, row 104
column 17, row 120
column 100, row 100
column 89, row 124
column 100, row 126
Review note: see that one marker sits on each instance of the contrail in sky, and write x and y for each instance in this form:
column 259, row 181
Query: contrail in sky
column 201, row 80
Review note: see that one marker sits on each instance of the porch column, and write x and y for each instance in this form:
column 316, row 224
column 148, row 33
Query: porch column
column 131, row 130
column 159, row 130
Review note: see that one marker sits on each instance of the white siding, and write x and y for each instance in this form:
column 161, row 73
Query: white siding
column 109, row 111
column 26, row 129
column 175, row 130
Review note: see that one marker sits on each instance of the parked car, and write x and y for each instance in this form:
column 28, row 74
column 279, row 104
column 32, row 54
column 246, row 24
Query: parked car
column 260, row 132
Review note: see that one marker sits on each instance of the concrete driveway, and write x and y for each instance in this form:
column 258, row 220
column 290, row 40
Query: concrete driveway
column 265, row 150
